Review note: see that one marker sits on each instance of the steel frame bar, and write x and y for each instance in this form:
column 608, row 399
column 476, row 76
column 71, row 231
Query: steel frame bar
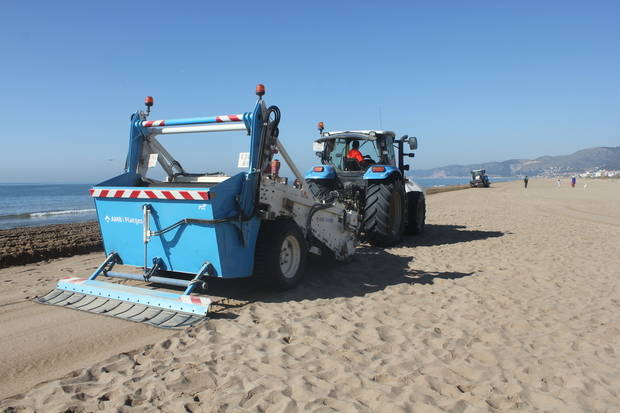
column 291, row 164
column 194, row 121
column 110, row 259
column 166, row 130
column 194, row 283
column 154, row 279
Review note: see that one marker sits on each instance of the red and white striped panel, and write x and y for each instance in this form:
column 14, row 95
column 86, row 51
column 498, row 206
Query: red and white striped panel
column 229, row 118
column 178, row 122
column 74, row 280
column 181, row 195
column 150, row 123
column 192, row 299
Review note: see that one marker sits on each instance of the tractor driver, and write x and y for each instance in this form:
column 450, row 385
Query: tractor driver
column 354, row 153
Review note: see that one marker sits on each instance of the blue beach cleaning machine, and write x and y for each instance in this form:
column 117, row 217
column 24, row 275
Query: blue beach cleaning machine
column 188, row 227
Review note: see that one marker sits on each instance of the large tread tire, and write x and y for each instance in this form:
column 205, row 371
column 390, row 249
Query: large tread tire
column 273, row 239
column 383, row 225
column 416, row 213
column 319, row 188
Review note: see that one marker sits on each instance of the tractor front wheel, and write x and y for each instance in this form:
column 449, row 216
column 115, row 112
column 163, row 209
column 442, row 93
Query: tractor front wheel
column 416, row 212
column 281, row 253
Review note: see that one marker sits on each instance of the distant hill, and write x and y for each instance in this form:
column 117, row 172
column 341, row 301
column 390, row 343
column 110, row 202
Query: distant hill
column 578, row 162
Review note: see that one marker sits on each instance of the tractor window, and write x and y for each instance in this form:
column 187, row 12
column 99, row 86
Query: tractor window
column 337, row 150
column 369, row 148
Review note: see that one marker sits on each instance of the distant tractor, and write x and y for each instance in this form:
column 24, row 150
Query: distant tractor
column 479, row 179
column 363, row 169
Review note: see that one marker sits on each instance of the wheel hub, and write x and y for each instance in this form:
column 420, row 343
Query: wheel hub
column 290, row 256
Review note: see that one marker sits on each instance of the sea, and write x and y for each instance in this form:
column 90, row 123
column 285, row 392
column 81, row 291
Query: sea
column 29, row 205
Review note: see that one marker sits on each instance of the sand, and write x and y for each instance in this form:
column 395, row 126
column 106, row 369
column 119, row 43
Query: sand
column 509, row 302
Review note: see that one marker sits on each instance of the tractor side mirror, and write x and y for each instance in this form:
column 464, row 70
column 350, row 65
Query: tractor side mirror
column 413, row 143
column 318, row 148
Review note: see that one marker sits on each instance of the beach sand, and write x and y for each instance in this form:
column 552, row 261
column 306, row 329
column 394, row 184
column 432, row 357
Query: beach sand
column 509, row 302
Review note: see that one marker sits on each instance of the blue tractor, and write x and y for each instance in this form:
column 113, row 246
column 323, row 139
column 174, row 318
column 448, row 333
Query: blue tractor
column 367, row 169
column 479, row 179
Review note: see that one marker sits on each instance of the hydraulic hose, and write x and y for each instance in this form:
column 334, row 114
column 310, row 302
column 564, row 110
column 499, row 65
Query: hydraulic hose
column 187, row 221
column 269, row 134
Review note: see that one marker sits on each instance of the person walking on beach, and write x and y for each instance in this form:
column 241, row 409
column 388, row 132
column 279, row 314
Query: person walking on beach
column 525, row 180
column 573, row 181
column 558, row 182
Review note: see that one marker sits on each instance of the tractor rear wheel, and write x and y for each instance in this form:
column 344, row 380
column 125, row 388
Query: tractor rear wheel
column 384, row 211
column 319, row 188
column 281, row 253
column 416, row 212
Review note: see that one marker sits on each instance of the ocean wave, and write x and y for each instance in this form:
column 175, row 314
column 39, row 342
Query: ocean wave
column 44, row 214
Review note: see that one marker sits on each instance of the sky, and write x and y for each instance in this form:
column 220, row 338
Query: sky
column 475, row 81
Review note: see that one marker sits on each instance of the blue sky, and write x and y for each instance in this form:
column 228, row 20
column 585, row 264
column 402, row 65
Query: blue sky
column 474, row 81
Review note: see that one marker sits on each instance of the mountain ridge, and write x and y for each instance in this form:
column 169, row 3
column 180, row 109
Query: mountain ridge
column 584, row 160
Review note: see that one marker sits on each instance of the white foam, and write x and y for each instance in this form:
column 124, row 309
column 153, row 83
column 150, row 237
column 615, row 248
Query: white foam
column 65, row 212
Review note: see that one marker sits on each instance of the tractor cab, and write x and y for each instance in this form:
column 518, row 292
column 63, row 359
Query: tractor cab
column 356, row 150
